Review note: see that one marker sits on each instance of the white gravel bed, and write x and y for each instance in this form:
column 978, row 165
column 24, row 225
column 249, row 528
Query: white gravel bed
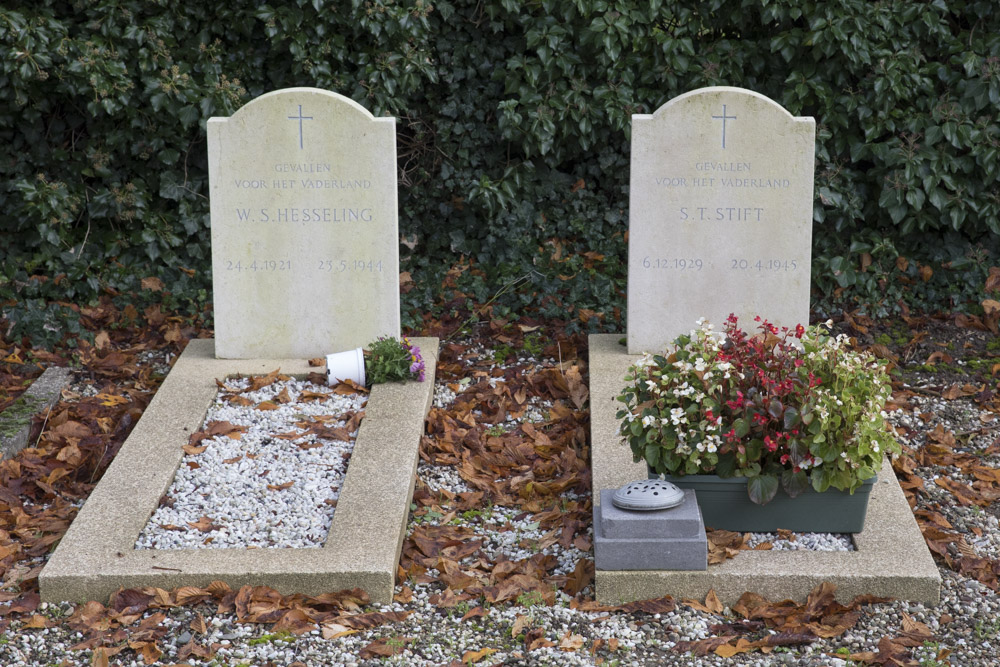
column 260, row 490
column 803, row 541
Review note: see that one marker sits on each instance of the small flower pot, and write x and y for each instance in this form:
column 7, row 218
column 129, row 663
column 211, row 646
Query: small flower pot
column 724, row 504
column 348, row 365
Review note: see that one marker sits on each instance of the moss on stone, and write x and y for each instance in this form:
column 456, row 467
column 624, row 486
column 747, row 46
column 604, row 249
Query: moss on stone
column 18, row 414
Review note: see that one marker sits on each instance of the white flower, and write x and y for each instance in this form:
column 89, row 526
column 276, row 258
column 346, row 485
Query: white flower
column 648, row 420
column 712, row 448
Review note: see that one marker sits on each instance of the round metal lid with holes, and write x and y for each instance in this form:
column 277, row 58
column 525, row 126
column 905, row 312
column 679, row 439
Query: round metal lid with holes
column 648, row 494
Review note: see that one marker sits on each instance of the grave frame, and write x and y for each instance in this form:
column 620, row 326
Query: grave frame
column 892, row 559
column 97, row 555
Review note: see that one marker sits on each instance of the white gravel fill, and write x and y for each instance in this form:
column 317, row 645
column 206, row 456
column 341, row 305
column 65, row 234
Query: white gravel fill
column 236, row 496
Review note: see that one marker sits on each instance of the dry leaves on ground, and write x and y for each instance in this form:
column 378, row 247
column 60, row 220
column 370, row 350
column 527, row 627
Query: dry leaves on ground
column 785, row 623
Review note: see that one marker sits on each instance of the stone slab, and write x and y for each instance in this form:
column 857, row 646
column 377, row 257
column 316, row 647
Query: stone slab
column 720, row 214
column 616, row 523
column 668, row 539
column 891, row 560
column 15, row 421
column 671, row 554
column 97, row 554
column 305, row 242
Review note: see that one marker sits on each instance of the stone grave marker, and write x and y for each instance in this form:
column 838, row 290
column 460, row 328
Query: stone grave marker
column 720, row 215
column 305, row 255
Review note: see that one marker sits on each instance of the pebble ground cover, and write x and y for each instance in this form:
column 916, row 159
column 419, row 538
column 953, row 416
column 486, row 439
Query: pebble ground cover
column 497, row 562
column 264, row 471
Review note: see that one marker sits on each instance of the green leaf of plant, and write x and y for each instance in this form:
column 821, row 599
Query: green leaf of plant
column 726, row 467
column 794, row 483
column 824, row 449
column 652, row 454
column 762, row 488
column 791, row 418
column 797, row 451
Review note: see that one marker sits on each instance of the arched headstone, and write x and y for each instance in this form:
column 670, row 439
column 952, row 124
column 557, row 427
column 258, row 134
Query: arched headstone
column 720, row 214
column 305, row 254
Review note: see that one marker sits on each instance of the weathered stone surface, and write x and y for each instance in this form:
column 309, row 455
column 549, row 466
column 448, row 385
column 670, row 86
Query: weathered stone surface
column 305, row 247
column 720, row 214
column 15, row 421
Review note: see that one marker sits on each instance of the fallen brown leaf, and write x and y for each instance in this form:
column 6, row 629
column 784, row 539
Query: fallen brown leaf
column 472, row 657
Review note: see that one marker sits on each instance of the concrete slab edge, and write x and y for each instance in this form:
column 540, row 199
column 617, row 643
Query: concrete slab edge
column 892, row 559
column 15, row 421
column 97, row 557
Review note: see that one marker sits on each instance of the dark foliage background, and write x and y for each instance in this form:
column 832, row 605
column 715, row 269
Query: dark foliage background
column 513, row 138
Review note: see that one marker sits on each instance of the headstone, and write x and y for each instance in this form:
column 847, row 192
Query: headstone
column 305, row 255
column 720, row 215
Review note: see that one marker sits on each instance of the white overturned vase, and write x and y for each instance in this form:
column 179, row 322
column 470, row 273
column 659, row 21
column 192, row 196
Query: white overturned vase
column 349, row 365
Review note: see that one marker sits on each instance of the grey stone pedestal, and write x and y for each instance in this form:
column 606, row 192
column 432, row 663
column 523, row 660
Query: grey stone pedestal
column 670, row 539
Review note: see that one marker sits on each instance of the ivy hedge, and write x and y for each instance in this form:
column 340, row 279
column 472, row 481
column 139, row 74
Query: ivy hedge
column 513, row 130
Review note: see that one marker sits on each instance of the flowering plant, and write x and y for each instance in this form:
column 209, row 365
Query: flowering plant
column 392, row 360
column 794, row 407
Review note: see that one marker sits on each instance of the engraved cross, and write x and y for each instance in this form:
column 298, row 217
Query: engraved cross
column 723, row 118
column 301, row 118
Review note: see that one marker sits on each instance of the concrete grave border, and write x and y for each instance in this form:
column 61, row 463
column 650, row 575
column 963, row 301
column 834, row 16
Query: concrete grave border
column 892, row 559
column 43, row 393
column 97, row 556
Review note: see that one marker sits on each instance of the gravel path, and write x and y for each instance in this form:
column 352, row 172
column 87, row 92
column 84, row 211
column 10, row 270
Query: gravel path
column 964, row 628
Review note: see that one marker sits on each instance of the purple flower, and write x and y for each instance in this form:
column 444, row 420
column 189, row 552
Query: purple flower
column 417, row 367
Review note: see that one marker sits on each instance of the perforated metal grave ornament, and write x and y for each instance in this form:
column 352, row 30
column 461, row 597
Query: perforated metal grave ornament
column 648, row 494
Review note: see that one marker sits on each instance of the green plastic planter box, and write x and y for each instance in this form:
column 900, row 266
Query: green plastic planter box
column 725, row 505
